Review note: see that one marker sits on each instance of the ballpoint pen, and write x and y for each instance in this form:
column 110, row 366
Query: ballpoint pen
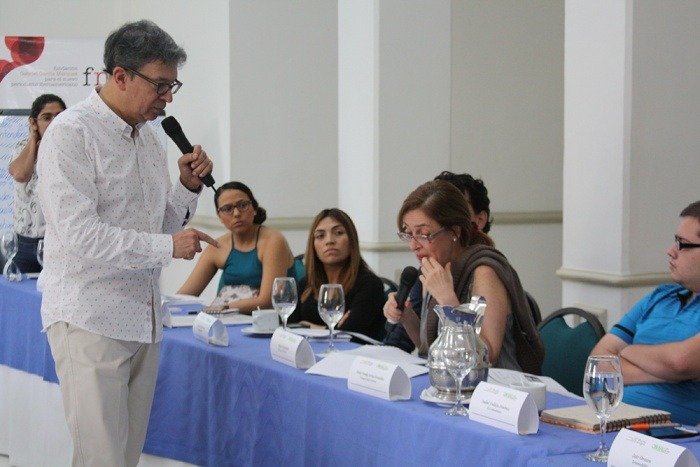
column 647, row 426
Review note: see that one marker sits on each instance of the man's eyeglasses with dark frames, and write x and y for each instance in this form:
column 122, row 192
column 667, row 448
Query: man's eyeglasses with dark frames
column 242, row 206
column 680, row 245
column 161, row 88
column 422, row 239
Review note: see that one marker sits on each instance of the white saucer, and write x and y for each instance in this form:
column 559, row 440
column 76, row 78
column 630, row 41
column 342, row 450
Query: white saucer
column 430, row 395
column 250, row 330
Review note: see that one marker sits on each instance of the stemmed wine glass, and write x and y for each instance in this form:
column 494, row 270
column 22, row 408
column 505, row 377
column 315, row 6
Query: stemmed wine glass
column 9, row 246
column 40, row 252
column 331, row 306
column 284, row 297
column 602, row 389
column 459, row 353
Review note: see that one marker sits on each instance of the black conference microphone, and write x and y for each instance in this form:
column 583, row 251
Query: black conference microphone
column 409, row 276
column 174, row 130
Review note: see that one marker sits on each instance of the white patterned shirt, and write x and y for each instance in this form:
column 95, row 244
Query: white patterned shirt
column 110, row 209
column 27, row 217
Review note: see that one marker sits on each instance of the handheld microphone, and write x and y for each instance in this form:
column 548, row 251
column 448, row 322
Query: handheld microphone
column 174, row 130
column 409, row 276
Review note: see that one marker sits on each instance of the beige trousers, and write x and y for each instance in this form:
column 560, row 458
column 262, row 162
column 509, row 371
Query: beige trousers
column 107, row 387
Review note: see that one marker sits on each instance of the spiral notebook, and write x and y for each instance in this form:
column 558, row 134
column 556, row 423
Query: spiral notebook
column 582, row 418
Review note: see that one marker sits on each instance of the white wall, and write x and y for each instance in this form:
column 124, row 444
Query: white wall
column 283, row 106
column 632, row 143
column 261, row 94
column 507, row 127
column 665, row 126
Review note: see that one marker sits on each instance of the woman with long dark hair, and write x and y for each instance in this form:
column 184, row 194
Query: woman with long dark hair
column 333, row 256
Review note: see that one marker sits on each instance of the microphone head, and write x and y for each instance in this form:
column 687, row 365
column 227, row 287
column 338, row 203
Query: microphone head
column 174, row 131
column 171, row 126
column 409, row 276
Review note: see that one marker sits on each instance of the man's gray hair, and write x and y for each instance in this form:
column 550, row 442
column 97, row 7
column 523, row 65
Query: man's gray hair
column 135, row 44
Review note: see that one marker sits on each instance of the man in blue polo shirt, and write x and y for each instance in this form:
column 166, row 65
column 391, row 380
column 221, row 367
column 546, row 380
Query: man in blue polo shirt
column 658, row 340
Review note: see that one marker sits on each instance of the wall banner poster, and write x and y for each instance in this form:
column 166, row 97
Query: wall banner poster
column 29, row 67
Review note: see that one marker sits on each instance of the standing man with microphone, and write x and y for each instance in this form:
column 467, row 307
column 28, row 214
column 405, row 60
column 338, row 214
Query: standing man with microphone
column 114, row 219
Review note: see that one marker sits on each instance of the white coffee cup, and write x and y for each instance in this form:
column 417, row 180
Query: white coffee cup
column 265, row 320
column 537, row 390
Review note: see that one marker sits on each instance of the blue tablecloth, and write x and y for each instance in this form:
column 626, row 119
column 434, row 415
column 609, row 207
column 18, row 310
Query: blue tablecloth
column 22, row 344
column 234, row 405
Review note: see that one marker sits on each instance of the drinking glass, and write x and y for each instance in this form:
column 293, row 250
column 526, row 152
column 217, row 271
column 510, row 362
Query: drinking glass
column 284, row 297
column 602, row 389
column 9, row 246
column 40, row 252
column 459, row 353
column 331, row 306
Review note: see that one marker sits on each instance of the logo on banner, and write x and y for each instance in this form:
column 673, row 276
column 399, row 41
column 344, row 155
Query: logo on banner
column 23, row 51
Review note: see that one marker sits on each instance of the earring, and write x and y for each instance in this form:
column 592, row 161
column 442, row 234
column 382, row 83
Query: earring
column 454, row 239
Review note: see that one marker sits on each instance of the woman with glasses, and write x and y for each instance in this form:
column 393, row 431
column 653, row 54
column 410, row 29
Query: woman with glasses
column 28, row 219
column 457, row 262
column 478, row 203
column 333, row 256
column 250, row 254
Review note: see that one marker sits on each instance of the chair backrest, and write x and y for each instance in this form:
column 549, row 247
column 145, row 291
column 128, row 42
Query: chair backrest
column 567, row 348
column 534, row 308
column 389, row 286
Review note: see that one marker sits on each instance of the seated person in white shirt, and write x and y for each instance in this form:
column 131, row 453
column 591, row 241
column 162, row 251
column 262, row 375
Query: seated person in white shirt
column 27, row 217
column 113, row 220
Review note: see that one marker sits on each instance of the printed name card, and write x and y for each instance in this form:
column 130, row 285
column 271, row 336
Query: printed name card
column 379, row 379
column 504, row 408
column 210, row 330
column 291, row 349
column 631, row 448
column 166, row 316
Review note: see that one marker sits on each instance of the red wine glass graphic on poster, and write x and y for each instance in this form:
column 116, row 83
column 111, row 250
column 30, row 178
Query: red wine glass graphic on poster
column 23, row 51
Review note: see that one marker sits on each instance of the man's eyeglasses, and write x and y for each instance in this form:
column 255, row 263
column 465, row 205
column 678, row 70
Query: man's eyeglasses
column 422, row 239
column 242, row 206
column 161, row 88
column 683, row 245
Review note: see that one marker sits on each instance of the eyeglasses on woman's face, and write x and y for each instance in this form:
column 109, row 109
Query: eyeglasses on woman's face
column 242, row 207
column 422, row 239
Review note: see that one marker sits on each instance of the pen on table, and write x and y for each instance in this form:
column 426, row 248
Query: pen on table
column 647, row 426
column 221, row 309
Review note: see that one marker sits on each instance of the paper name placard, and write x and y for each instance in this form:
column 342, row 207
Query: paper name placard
column 631, row 448
column 210, row 330
column 504, row 408
column 291, row 349
column 379, row 379
column 166, row 317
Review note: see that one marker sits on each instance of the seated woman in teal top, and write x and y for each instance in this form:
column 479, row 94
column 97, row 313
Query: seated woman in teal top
column 250, row 255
